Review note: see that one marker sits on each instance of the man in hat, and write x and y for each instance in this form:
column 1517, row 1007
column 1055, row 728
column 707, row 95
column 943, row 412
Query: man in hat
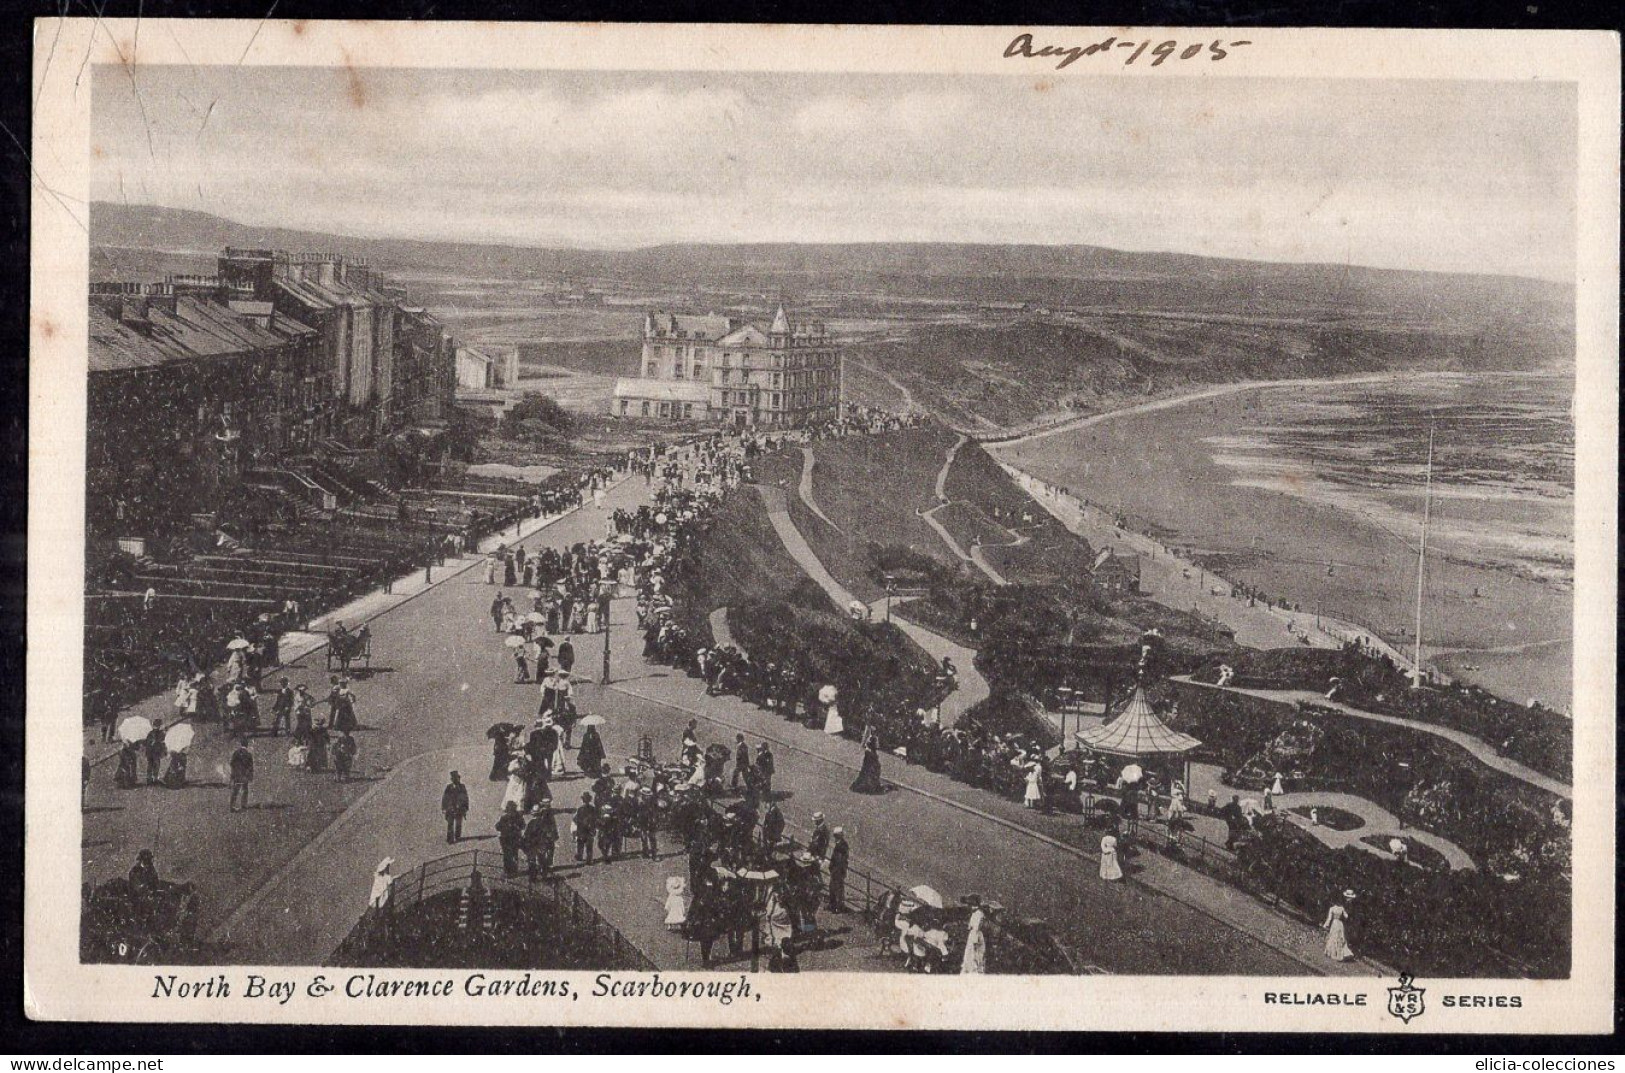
column 510, row 834
column 282, row 709
column 818, row 844
column 454, row 806
column 155, row 749
column 344, row 752
column 304, row 705
column 648, row 821
column 242, row 773
column 741, row 760
column 586, row 826
column 772, row 826
column 541, row 835
column 839, row 852
column 764, row 770
column 567, row 655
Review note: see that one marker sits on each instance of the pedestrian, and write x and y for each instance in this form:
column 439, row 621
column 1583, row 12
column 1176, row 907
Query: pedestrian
column 1336, row 928
column 242, row 773
column 344, row 753
column 1034, row 795
column 383, row 886
column 585, row 826
column 521, row 665
column 590, row 757
column 1110, row 870
column 869, row 780
column 282, row 709
column 155, row 750
column 764, row 770
column 648, row 821
column 676, row 903
column 741, row 760
column 454, row 806
column 129, row 757
column 566, row 654
column 974, row 961
column 818, row 843
column 540, row 838
column 490, row 570
column 839, row 856
column 304, row 707
column 510, row 833
column 772, row 826
column 316, row 754
column 496, row 612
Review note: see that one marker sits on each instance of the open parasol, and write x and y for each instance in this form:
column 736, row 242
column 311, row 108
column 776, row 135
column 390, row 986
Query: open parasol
column 134, row 728
column 238, row 643
column 592, row 721
column 826, row 695
column 179, row 737
column 926, row 896
column 535, row 616
column 513, row 640
column 1132, row 773
column 501, row 730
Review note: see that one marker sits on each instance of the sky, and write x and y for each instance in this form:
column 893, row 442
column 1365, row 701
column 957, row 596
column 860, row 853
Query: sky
column 1448, row 176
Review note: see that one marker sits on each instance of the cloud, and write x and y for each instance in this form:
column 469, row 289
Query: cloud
column 1401, row 174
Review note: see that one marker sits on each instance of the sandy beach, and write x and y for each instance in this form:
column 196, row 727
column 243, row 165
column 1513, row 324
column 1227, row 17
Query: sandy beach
column 1483, row 622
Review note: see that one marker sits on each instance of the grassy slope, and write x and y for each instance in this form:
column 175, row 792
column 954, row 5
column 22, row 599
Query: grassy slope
column 1002, row 374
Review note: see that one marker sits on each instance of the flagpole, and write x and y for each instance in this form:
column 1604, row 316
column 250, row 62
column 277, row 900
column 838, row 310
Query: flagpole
column 1421, row 560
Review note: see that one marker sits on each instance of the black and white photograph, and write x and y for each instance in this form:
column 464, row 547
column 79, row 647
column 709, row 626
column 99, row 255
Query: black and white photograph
column 1109, row 514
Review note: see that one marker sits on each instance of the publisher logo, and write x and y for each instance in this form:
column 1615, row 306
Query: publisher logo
column 1405, row 1001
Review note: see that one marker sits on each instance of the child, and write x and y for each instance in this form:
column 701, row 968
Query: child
column 676, row 903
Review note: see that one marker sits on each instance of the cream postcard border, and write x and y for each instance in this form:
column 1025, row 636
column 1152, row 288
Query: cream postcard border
column 57, row 987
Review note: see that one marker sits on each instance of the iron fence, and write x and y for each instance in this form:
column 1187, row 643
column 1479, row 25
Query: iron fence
column 571, row 914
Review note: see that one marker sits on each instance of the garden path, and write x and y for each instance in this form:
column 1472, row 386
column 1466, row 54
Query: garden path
column 1376, row 821
column 1480, row 750
column 972, row 687
column 808, row 460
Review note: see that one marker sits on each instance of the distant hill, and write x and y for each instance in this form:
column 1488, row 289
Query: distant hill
column 1053, row 327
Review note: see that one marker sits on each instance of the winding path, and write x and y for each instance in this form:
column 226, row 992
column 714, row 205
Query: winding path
column 974, row 556
column 1481, row 750
column 972, row 687
column 805, row 489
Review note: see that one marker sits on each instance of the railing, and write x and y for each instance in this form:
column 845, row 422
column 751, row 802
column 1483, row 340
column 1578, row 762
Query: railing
column 570, row 913
column 864, row 891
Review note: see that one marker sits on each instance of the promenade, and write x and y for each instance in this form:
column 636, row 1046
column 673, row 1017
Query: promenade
column 283, row 881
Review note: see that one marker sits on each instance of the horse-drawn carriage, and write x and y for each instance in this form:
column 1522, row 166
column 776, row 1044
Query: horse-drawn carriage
column 124, row 922
column 345, row 648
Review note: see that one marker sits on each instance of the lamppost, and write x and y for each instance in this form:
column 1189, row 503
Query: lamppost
column 604, row 604
column 890, row 584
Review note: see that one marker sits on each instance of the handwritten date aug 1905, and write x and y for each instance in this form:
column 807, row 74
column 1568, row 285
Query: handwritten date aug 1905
column 1022, row 47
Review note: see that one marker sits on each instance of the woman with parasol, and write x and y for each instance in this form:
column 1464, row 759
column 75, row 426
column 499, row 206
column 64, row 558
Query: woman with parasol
column 590, row 757
column 869, row 780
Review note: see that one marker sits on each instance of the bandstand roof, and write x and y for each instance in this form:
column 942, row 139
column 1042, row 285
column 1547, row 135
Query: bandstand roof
column 1137, row 732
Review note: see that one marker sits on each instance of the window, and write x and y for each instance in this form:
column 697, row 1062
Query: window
column 688, row 409
column 699, row 371
column 665, row 409
column 653, row 370
column 777, row 401
column 727, row 374
column 776, row 378
column 646, row 409
column 625, row 407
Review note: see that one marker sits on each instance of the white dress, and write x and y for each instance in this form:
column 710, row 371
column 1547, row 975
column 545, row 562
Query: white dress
column 974, row 961
column 1035, row 793
column 832, row 721
column 676, row 902
column 1337, row 938
column 1110, row 870
column 1276, row 790
column 515, row 791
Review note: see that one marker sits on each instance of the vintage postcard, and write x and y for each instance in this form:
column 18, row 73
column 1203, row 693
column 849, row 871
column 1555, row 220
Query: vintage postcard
column 746, row 526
